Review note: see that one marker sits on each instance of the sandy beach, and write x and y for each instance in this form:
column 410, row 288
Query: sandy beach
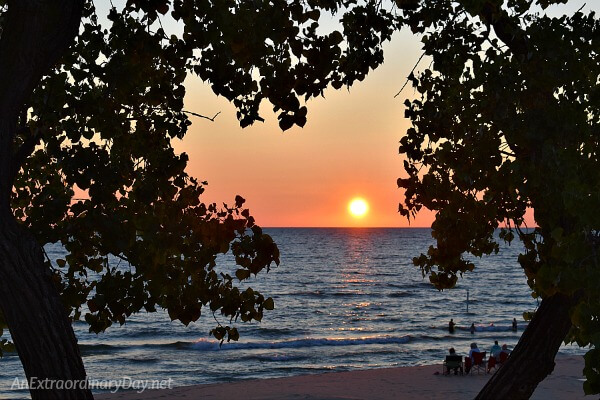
column 419, row 382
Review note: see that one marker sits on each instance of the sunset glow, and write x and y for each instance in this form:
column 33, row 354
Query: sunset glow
column 358, row 207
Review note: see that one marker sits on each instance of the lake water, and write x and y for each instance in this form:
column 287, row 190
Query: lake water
column 344, row 299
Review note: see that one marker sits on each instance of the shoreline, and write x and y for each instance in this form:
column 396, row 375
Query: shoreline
column 409, row 383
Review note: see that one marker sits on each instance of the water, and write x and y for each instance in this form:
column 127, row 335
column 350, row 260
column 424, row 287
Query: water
column 344, row 299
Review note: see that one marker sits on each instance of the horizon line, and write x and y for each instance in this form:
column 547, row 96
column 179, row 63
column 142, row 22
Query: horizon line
column 345, row 227
column 363, row 227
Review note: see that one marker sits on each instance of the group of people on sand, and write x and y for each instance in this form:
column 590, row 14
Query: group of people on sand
column 495, row 356
column 452, row 325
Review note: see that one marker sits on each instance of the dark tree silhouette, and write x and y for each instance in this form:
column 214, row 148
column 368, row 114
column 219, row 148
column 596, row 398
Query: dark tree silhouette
column 506, row 118
column 90, row 104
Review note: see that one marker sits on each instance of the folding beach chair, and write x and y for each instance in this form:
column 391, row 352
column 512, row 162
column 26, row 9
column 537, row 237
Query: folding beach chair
column 492, row 363
column 502, row 358
column 479, row 362
column 452, row 363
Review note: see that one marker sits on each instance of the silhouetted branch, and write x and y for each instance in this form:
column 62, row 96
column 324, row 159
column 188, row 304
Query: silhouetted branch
column 24, row 151
column 202, row 116
column 411, row 73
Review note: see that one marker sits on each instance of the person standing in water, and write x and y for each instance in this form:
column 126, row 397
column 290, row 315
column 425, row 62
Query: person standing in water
column 451, row 325
column 473, row 328
column 514, row 325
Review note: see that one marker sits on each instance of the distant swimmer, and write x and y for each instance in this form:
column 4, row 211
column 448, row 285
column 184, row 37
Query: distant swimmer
column 472, row 328
column 451, row 325
column 514, row 325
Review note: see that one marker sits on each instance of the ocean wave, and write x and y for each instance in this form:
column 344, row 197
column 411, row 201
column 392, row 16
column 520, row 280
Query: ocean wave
column 322, row 294
column 348, row 294
column 127, row 346
column 211, row 345
column 277, row 357
column 400, row 294
column 278, row 331
column 483, row 328
column 436, row 338
column 144, row 360
column 100, row 348
column 140, row 333
column 314, row 293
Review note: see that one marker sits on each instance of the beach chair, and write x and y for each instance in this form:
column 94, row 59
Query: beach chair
column 502, row 358
column 492, row 363
column 452, row 362
column 479, row 362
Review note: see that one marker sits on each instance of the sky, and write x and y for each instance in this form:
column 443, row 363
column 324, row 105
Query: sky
column 306, row 177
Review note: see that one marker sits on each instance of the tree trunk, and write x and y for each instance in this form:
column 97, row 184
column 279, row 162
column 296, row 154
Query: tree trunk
column 37, row 320
column 35, row 34
column 533, row 357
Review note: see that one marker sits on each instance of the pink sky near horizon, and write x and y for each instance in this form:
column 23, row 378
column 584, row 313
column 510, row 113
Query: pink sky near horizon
column 305, row 177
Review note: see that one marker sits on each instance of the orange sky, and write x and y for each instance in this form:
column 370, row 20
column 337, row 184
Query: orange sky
column 305, row 177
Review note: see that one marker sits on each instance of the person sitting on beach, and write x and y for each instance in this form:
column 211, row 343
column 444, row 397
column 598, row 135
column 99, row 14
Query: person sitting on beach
column 494, row 356
column 503, row 355
column 451, row 325
column 495, row 350
column 474, row 349
column 456, row 362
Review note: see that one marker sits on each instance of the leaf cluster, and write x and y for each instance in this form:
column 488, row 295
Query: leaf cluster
column 97, row 171
column 100, row 176
column 254, row 50
column 506, row 119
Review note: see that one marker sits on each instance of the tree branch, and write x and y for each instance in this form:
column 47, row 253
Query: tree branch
column 507, row 30
column 409, row 75
column 202, row 116
column 24, row 151
column 35, row 35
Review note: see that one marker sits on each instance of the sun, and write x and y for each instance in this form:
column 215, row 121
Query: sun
column 358, row 207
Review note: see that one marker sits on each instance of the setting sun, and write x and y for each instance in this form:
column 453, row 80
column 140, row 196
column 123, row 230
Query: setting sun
column 358, row 207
